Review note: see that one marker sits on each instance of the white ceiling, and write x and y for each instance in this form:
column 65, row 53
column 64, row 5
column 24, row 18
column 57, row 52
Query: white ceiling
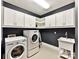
column 33, row 7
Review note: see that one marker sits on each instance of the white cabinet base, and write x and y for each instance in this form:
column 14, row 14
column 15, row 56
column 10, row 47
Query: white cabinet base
column 66, row 48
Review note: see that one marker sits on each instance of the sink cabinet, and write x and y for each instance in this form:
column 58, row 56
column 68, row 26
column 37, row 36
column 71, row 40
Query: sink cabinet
column 66, row 48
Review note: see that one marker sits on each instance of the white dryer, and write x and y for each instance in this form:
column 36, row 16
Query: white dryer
column 15, row 48
column 32, row 41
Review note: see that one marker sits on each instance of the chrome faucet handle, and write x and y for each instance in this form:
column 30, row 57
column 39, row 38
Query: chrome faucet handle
column 66, row 34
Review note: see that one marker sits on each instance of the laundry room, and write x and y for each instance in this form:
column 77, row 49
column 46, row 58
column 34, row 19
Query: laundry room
column 39, row 29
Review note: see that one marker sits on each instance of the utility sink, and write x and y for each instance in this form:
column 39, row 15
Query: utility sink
column 68, row 40
column 66, row 47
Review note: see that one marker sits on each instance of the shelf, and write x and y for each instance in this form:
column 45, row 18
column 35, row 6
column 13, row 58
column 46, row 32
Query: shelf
column 64, row 55
column 6, row 26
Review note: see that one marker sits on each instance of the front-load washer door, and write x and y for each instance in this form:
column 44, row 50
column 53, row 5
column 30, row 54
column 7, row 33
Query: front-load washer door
column 16, row 52
column 35, row 38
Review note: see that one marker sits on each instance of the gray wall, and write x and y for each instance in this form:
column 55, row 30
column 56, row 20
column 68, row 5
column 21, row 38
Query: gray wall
column 49, row 37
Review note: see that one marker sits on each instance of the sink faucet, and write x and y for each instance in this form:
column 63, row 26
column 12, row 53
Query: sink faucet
column 66, row 35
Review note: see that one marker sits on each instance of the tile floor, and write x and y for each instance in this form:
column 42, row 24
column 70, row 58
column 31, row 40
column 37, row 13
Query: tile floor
column 46, row 53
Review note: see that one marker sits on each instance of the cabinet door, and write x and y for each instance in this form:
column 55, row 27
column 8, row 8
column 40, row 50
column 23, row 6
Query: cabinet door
column 9, row 16
column 70, row 17
column 2, row 15
column 27, row 24
column 52, row 20
column 32, row 21
column 47, row 21
column 60, row 19
column 19, row 19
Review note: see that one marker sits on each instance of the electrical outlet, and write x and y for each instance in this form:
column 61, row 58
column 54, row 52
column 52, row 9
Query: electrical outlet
column 55, row 32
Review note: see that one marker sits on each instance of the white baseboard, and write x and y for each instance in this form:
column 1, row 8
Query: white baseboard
column 50, row 46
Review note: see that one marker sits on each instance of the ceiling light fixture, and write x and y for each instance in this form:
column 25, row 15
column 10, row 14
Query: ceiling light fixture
column 42, row 3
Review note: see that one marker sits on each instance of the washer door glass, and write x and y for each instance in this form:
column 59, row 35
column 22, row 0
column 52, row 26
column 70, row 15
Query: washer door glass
column 17, row 51
column 34, row 38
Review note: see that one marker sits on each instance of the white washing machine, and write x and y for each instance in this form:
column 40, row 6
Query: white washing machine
column 15, row 48
column 32, row 41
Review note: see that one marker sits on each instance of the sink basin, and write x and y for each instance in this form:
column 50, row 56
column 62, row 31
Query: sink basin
column 69, row 40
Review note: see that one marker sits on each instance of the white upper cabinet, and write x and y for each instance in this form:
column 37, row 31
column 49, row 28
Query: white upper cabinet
column 9, row 16
column 27, row 21
column 30, row 21
column 19, row 19
column 60, row 19
column 70, row 17
column 13, row 18
column 47, row 21
column 52, row 21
